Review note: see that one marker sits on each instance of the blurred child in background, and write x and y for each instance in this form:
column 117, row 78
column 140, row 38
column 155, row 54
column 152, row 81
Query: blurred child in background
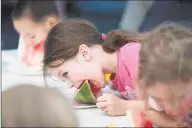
column 33, row 19
column 165, row 72
column 33, row 106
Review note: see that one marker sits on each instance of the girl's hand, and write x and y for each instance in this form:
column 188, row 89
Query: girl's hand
column 111, row 104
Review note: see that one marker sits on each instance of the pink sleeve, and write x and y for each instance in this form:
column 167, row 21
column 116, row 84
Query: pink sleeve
column 130, row 56
column 127, row 64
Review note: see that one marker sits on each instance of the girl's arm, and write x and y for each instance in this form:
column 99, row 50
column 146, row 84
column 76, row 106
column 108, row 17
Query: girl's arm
column 159, row 118
column 138, row 105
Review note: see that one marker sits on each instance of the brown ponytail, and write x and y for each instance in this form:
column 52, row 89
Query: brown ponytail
column 117, row 38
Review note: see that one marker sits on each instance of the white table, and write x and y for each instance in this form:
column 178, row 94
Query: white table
column 87, row 117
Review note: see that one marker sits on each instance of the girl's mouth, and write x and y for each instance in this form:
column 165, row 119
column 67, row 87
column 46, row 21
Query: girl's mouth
column 81, row 84
column 90, row 83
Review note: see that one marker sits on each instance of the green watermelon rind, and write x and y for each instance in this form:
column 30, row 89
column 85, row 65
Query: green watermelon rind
column 84, row 94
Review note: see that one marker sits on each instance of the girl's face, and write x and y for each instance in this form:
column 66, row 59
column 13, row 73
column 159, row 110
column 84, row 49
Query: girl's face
column 84, row 66
column 32, row 32
column 175, row 98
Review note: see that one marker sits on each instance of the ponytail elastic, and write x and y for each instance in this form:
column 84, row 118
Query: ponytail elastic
column 103, row 36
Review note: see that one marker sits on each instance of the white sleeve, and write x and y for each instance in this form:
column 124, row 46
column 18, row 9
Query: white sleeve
column 154, row 105
column 20, row 47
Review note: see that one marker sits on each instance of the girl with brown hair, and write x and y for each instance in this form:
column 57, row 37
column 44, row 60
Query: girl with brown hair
column 75, row 51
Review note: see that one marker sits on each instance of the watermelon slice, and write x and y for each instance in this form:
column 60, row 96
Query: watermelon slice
column 87, row 93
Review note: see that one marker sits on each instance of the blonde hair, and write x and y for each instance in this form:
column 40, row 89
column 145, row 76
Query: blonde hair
column 166, row 55
column 32, row 106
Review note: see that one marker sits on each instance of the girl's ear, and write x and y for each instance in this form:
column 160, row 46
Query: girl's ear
column 84, row 53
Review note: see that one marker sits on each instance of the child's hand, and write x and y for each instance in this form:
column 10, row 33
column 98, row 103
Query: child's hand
column 111, row 104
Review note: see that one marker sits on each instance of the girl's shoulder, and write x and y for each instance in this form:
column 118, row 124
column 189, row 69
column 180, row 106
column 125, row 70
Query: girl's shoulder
column 129, row 55
column 131, row 47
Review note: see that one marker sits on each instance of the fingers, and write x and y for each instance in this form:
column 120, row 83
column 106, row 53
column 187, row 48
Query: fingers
column 101, row 105
column 104, row 109
column 107, row 111
column 103, row 98
column 104, row 103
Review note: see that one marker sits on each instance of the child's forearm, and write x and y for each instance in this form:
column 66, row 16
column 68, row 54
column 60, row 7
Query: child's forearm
column 135, row 105
column 160, row 119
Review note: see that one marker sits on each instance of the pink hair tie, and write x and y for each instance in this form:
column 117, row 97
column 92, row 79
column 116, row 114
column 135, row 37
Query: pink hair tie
column 103, row 36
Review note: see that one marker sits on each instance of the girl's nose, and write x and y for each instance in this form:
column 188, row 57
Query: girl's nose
column 69, row 83
column 172, row 110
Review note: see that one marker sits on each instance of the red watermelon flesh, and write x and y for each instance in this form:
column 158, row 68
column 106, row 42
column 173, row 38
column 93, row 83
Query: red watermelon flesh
column 87, row 93
column 140, row 120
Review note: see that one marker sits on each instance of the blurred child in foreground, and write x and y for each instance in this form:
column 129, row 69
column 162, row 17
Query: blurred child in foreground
column 33, row 106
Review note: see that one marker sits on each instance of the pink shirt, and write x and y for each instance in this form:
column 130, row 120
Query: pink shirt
column 30, row 55
column 127, row 64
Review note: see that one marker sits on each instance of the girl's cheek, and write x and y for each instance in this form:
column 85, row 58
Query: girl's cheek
column 186, row 105
column 75, row 78
column 79, row 76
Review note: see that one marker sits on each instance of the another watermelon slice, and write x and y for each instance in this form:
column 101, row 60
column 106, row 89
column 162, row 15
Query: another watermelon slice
column 140, row 120
column 87, row 93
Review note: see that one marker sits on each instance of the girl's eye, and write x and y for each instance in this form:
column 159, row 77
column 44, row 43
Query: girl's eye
column 33, row 36
column 65, row 74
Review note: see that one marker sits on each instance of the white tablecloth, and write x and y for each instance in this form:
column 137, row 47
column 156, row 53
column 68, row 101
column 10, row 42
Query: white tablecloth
column 87, row 117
